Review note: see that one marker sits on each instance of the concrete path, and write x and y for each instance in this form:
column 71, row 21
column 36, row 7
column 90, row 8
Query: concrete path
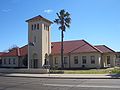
column 65, row 76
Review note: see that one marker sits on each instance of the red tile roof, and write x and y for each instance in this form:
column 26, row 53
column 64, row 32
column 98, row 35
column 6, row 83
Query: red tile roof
column 24, row 50
column 1, row 53
column 16, row 52
column 11, row 53
column 75, row 46
column 105, row 49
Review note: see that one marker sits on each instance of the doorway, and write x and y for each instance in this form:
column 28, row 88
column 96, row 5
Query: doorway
column 35, row 60
column 35, row 63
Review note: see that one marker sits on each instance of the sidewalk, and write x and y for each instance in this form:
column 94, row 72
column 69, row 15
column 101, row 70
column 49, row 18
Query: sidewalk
column 65, row 76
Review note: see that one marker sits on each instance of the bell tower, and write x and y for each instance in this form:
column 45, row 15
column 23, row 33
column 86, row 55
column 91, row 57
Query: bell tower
column 39, row 44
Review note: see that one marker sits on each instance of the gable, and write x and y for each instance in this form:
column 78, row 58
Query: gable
column 76, row 46
column 105, row 49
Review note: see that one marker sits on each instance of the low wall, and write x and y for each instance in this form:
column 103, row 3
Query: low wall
column 37, row 71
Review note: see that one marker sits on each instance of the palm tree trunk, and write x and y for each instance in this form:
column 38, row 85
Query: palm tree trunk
column 62, row 36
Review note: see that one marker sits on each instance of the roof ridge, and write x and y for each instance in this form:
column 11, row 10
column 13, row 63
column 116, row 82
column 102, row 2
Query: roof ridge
column 67, row 41
column 94, row 47
column 106, row 47
column 40, row 17
column 109, row 48
column 23, row 46
column 98, row 45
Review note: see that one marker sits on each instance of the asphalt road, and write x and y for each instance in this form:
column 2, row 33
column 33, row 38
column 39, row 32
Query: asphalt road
column 19, row 83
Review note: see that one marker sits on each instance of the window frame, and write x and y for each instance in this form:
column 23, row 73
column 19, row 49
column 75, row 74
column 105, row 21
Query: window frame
column 55, row 60
column 14, row 61
column 84, row 59
column 75, row 59
column 65, row 60
column 92, row 58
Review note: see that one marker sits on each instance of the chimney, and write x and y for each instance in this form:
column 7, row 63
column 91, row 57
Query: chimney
column 18, row 51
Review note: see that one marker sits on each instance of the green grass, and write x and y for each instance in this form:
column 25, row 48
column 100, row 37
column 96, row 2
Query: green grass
column 116, row 70
column 95, row 71
column 91, row 71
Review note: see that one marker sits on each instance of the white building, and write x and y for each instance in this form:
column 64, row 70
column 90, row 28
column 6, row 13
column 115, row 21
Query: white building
column 41, row 52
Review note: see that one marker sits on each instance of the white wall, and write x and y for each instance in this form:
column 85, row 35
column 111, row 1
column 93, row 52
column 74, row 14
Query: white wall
column 42, row 45
column 11, row 62
column 79, row 65
column 112, row 59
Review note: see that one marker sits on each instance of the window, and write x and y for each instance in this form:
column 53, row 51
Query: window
column 37, row 26
column 75, row 59
column 4, row 61
column 32, row 27
column 56, row 60
column 46, row 27
column 65, row 60
column 9, row 61
column 13, row 60
column 108, row 59
column 84, row 59
column 92, row 59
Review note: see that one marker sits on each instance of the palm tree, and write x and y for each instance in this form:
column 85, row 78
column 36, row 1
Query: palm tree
column 64, row 21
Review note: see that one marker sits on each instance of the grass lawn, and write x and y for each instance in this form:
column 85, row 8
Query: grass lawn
column 91, row 71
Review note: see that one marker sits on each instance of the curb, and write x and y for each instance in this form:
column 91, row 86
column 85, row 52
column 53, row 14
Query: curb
column 63, row 77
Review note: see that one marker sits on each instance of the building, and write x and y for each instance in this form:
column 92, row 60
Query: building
column 41, row 52
column 81, row 54
column 16, row 58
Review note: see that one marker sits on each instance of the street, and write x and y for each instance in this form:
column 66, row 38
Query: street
column 20, row 83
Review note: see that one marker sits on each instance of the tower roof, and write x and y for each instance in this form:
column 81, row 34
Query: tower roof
column 37, row 18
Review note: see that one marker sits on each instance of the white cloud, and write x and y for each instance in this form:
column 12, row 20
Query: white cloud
column 6, row 10
column 48, row 11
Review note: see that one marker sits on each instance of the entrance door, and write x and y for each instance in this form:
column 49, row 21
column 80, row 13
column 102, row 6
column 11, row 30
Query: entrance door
column 35, row 63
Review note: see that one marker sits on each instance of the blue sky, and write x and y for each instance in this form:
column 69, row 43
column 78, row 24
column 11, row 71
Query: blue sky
column 96, row 21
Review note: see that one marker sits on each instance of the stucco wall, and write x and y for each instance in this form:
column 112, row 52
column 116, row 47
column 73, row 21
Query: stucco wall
column 42, row 44
column 11, row 64
column 36, row 49
column 112, row 59
column 80, row 64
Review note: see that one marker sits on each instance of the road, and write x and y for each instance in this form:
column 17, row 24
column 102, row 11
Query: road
column 20, row 83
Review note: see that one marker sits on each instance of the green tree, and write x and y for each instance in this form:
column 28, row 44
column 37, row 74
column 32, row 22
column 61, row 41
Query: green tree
column 64, row 21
